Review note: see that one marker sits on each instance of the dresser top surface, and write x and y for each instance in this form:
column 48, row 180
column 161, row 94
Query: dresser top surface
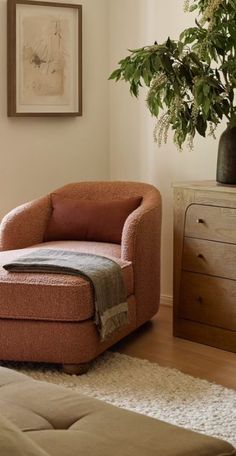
column 209, row 185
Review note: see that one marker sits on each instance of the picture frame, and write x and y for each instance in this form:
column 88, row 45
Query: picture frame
column 44, row 53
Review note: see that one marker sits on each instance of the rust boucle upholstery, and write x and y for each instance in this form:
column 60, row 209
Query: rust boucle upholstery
column 68, row 297
column 50, row 318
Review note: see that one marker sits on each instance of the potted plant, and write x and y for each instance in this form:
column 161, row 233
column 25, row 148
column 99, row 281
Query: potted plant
column 191, row 81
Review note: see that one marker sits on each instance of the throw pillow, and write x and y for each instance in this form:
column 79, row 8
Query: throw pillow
column 86, row 220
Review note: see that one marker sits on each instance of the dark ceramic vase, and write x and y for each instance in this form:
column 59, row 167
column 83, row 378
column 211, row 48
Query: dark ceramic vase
column 226, row 162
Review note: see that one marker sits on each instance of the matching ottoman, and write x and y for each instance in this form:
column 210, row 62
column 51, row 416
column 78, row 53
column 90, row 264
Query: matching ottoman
column 41, row 419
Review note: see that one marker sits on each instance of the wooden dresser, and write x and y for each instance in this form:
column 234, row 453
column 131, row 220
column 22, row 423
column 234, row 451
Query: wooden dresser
column 205, row 263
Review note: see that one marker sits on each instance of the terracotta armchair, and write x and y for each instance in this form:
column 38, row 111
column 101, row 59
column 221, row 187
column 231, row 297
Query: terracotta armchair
column 49, row 317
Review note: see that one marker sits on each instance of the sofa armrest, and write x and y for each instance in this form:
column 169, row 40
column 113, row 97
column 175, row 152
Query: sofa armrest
column 25, row 225
column 141, row 244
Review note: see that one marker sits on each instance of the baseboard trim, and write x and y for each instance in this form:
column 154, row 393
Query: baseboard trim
column 166, row 300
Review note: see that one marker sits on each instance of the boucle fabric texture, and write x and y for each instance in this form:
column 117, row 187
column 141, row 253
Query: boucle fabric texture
column 77, row 341
column 57, row 341
column 61, row 422
column 141, row 235
column 52, row 297
column 103, row 274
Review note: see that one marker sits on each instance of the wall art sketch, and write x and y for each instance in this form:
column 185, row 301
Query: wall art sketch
column 44, row 58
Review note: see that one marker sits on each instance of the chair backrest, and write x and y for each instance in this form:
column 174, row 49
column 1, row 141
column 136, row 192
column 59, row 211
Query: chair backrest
column 108, row 190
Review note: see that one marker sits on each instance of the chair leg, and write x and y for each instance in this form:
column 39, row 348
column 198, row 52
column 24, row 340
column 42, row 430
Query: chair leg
column 76, row 369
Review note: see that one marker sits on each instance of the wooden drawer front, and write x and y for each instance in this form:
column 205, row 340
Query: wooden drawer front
column 208, row 300
column 211, row 222
column 209, row 257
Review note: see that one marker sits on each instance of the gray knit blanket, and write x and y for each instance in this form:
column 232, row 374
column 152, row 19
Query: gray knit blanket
column 111, row 308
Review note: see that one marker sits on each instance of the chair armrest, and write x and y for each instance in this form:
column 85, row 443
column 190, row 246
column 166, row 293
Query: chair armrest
column 141, row 244
column 25, row 225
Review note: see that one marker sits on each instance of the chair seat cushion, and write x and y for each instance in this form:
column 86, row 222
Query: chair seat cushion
column 54, row 297
column 62, row 422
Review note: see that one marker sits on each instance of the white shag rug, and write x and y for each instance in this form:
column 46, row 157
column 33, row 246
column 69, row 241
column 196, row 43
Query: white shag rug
column 150, row 389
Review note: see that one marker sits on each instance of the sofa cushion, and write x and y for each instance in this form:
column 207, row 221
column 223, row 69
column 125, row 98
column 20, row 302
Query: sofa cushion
column 54, row 297
column 13, row 442
column 86, row 220
column 64, row 423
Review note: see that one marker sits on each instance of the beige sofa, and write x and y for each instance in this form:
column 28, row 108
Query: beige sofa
column 42, row 419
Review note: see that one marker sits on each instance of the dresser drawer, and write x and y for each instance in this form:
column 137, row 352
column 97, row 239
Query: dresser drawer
column 209, row 257
column 211, row 222
column 209, row 300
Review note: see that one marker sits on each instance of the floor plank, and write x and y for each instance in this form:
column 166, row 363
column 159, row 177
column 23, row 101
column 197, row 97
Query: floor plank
column 154, row 341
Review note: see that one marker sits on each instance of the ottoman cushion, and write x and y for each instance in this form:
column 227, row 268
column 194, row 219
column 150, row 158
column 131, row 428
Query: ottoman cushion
column 54, row 297
column 64, row 423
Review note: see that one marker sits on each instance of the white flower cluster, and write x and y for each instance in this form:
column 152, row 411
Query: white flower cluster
column 161, row 129
column 160, row 132
column 212, row 129
column 209, row 12
column 190, row 142
column 158, row 81
column 203, row 48
column 156, row 84
column 186, row 6
column 176, row 105
column 163, row 124
column 195, row 111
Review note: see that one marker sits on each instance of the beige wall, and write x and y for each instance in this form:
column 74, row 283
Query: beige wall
column 133, row 154
column 40, row 154
column 37, row 155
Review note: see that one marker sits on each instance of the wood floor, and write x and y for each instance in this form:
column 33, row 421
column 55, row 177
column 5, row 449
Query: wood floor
column 154, row 341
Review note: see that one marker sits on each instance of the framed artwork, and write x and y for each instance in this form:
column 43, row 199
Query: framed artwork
column 44, row 58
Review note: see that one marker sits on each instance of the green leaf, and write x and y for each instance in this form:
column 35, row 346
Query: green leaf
column 201, row 126
column 232, row 30
column 233, row 3
column 137, row 75
column 206, row 89
column 193, row 8
column 124, row 61
column 134, row 89
column 167, row 63
column 193, row 56
column 154, row 104
column 185, row 72
column 115, row 74
column 133, row 51
column 231, row 95
column 156, row 62
column 146, row 76
column 180, row 47
column 217, row 108
column 170, row 44
column 206, row 106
